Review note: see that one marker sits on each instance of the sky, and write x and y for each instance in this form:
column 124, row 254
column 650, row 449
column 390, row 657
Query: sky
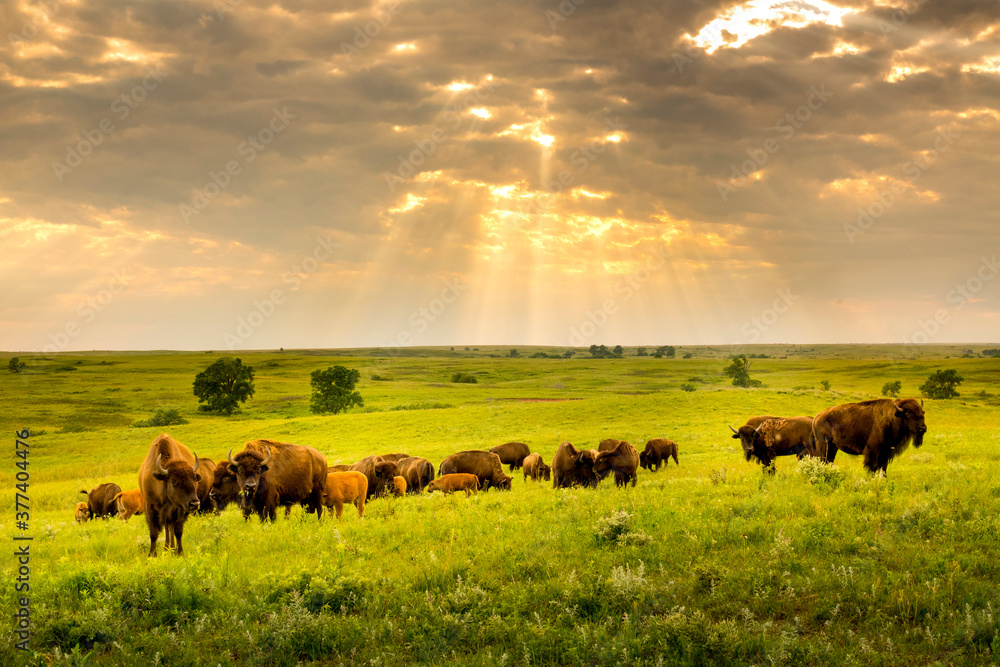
column 251, row 175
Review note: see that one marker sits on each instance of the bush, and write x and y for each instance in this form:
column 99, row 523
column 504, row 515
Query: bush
column 380, row 378
column 467, row 378
column 892, row 388
column 826, row 384
column 513, row 354
column 162, row 418
column 739, row 370
column 15, row 365
column 819, row 472
column 616, row 530
column 687, row 386
column 941, row 384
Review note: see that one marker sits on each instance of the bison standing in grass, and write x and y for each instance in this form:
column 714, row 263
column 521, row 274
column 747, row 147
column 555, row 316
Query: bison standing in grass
column 417, row 471
column 658, row 452
column 457, row 481
column 82, row 512
column 766, row 437
column 572, row 467
column 129, row 503
column 379, row 472
column 620, row 457
column 484, row 465
column 271, row 473
column 101, row 500
column 535, row 468
column 345, row 487
column 879, row 430
column 168, row 482
column 512, row 454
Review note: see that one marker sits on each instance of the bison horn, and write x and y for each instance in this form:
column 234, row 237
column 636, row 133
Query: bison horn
column 264, row 463
column 159, row 468
column 231, row 456
column 733, row 429
column 197, row 462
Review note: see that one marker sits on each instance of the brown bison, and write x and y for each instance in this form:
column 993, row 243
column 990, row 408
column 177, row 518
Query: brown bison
column 456, row 481
column 129, row 503
column 379, row 472
column 658, row 452
column 484, row 465
column 271, row 473
column 225, row 488
column 879, row 429
column 394, row 457
column 535, row 468
column 345, row 487
column 418, row 472
column 168, row 482
column 399, row 486
column 207, row 468
column 82, row 512
column 793, row 437
column 101, row 500
column 512, row 454
column 571, row 467
column 622, row 459
column 339, row 467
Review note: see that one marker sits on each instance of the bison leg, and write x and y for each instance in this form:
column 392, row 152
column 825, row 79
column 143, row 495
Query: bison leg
column 178, row 533
column 799, row 451
column 338, row 508
column 154, row 533
column 360, row 504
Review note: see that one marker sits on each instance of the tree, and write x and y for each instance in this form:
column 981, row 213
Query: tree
column 667, row 350
column 641, row 352
column 513, row 353
column 16, row 365
column 568, row 353
column 826, row 384
column 941, row 384
column 892, row 388
column 618, row 352
column 739, row 370
column 224, row 385
column 333, row 389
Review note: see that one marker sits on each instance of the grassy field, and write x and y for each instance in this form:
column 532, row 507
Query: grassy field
column 709, row 562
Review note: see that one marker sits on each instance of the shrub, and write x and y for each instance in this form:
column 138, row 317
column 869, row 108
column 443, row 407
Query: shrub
column 819, row 472
column 892, row 388
column 162, row 418
column 467, row 378
column 941, row 384
column 380, row 378
column 687, row 386
column 15, row 365
column 826, row 384
column 616, row 530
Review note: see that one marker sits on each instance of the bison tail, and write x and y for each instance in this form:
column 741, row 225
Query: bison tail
column 85, row 491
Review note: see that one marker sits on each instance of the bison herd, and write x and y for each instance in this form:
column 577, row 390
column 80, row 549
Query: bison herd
column 175, row 483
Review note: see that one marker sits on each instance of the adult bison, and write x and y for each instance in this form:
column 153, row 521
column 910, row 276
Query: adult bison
column 168, row 482
column 512, row 454
column 271, row 473
column 207, row 468
column 379, row 473
column 129, row 503
column 417, row 471
column 571, row 467
column 394, row 457
column 781, row 437
column 535, row 468
column 484, row 465
column 101, row 500
column 879, row 429
column 225, row 488
column 658, row 452
column 622, row 459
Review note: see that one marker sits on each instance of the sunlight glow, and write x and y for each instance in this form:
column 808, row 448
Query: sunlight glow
column 481, row 112
column 739, row 25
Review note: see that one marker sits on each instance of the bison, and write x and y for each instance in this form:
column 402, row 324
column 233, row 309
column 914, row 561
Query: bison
column 225, row 488
column 457, row 481
column 82, row 512
column 129, row 503
column 101, row 500
column 345, row 487
column 571, row 467
column 418, row 472
column 879, row 429
column 484, row 465
column 622, row 459
column 658, row 452
column 394, row 457
column 379, row 473
column 512, row 454
column 399, row 486
column 271, row 473
column 339, row 467
column 207, row 467
column 168, row 482
column 781, row 437
column 535, row 468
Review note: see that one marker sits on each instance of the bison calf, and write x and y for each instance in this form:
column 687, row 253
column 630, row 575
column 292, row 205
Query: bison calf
column 82, row 512
column 345, row 487
column 456, row 481
column 658, row 452
column 129, row 503
column 399, row 486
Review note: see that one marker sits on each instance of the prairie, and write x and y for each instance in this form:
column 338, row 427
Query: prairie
column 708, row 562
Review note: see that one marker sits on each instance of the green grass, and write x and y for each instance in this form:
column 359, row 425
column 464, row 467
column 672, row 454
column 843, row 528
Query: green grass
column 811, row 566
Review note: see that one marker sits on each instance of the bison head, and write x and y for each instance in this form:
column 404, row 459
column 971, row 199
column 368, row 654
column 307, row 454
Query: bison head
column 504, row 483
column 386, row 470
column 911, row 413
column 181, row 482
column 248, row 467
column 747, row 436
column 644, row 461
column 545, row 471
column 225, row 488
